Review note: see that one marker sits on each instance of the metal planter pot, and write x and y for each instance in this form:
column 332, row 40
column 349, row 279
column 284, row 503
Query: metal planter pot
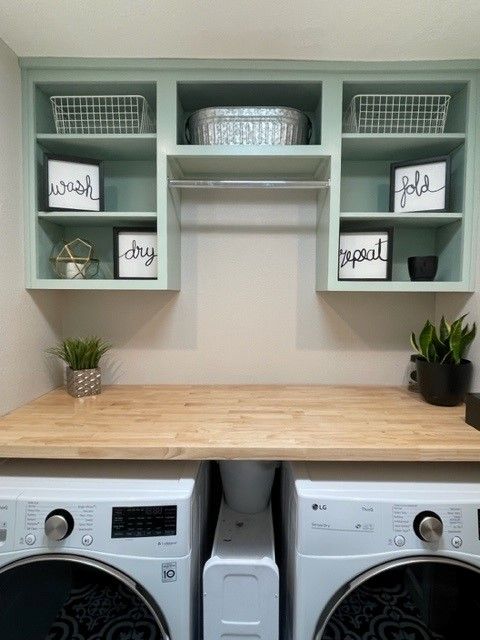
column 84, row 382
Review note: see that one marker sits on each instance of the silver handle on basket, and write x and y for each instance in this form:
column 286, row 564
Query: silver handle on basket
column 310, row 129
column 188, row 138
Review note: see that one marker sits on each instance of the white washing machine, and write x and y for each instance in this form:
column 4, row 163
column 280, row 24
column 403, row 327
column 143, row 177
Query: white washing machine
column 381, row 551
column 102, row 550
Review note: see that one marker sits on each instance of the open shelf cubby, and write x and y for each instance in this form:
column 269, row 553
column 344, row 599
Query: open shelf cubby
column 422, row 239
column 456, row 121
column 304, row 96
column 129, row 184
column 51, row 233
column 365, row 183
column 43, row 113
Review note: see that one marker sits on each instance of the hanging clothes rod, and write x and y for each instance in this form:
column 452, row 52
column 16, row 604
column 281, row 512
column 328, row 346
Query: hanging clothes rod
column 185, row 183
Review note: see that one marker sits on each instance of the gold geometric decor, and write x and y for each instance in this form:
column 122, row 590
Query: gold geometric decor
column 74, row 260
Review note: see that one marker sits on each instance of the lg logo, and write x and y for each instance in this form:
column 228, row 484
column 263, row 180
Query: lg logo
column 319, row 507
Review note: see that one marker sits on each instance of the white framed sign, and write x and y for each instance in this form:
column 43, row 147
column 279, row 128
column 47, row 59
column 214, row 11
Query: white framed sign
column 135, row 253
column 365, row 255
column 421, row 185
column 73, row 184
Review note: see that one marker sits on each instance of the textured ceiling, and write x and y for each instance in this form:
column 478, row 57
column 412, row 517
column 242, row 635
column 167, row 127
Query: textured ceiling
column 272, row 29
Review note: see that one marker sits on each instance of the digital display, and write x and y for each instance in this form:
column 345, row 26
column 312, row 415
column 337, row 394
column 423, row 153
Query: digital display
column 144, row 522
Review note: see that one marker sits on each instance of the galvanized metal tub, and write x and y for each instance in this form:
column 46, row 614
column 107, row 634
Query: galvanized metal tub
column 248, row 126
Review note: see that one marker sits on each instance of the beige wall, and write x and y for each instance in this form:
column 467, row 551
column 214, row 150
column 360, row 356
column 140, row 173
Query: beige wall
column 248, row 311
column 27, row 323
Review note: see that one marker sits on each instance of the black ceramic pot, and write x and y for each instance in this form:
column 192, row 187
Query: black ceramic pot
column 422, row 268
column 444, row 384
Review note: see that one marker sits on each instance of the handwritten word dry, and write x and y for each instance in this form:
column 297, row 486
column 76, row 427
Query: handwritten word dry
column 137, row 252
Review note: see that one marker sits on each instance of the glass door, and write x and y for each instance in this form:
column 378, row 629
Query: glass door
column 413, row 599
column 70, row 598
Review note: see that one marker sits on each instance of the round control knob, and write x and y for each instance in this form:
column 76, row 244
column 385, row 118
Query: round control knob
column 58, row 525
column 428, row 526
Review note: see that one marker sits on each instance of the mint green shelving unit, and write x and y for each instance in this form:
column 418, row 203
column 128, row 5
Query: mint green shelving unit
column 138, row 167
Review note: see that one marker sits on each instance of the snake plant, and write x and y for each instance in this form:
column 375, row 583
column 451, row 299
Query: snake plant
column 80, row 353
column 448, row 345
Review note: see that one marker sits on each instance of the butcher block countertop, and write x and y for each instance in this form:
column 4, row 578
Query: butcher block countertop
column 239, row 422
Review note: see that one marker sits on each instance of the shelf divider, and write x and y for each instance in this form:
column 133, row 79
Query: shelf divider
column 185, row 183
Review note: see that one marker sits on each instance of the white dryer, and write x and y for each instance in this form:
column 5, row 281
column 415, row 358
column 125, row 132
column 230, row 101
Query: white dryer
column 381, row 551
column 102, row 550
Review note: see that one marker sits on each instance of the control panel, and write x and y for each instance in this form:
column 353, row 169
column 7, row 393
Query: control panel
column 363, row 527
column 147, row 528
column 7, row 522
column 144, row 522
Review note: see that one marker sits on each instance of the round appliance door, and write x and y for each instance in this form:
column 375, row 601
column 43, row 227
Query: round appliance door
column 421, row 598
column 66, row 597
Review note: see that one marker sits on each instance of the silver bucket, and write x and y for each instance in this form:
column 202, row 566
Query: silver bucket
column 248, row 126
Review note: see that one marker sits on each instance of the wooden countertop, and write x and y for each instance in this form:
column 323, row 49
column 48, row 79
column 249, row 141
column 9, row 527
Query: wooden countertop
column 239, row 422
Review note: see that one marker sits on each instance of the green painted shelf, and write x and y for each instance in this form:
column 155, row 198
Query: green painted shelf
column 263, row 164
column 401, row 286
column 101, row 147
column 424, row 219
column 398, row 147
column 107, row 218
column 97, row 284
column 238, row 151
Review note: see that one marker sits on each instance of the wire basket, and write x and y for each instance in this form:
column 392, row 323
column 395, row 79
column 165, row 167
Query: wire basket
column 102, row 114
column 397, row 114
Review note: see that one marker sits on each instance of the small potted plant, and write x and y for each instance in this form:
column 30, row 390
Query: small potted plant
column 443, row 374
column 82, row 357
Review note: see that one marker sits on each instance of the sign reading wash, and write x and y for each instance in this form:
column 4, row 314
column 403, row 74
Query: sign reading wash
column 365, row 255
column 73, row 184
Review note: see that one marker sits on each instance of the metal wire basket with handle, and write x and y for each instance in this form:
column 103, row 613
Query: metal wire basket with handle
column 102, row 114
column 388, row 113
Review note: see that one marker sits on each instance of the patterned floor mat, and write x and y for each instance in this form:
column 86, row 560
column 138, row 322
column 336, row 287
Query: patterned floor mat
column 379, row 613
column 104, row 612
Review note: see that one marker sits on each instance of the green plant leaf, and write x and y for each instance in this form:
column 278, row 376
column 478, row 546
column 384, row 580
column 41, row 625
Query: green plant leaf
column 467, row 339
column 413, row 342
column 456, row 342
column 444, row 330
column 457, row 323
column 460, row 338
column 432, row 353
column 425, row 340
column 81, row 353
